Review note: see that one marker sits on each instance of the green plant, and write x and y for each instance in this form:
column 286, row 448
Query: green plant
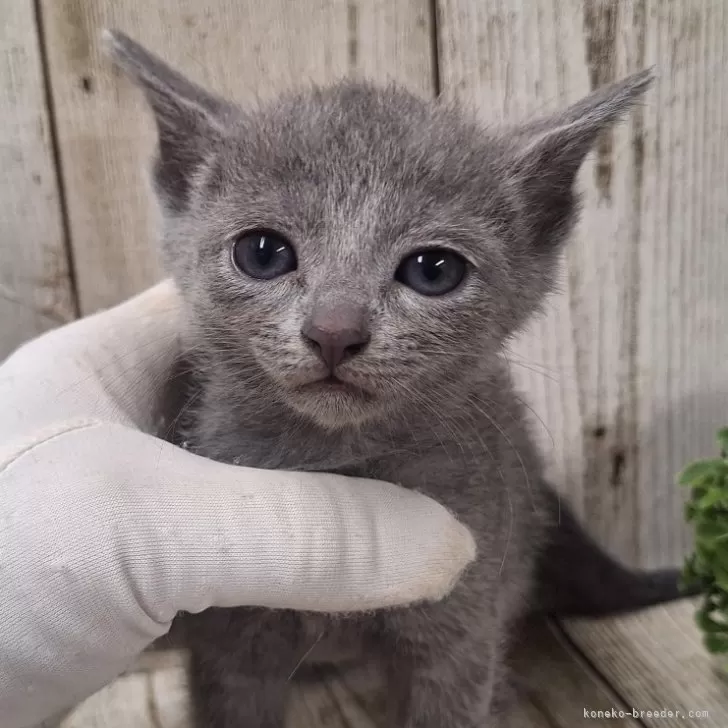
column 707, row 567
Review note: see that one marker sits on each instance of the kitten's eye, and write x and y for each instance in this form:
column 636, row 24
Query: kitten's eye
column 432, row 272
column 264, row 255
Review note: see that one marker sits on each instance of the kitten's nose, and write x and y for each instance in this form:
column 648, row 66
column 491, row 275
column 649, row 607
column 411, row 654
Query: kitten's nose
column 337, row 333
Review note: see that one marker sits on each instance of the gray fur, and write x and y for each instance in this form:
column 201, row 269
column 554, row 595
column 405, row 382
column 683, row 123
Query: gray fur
column 358, row 177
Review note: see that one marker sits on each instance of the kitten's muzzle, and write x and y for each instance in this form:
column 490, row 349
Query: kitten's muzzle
column 336, row 333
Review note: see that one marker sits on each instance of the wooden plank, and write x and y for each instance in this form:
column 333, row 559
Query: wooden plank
column 683, row 224
column 556, row 685
column 35, row 286
column 627, row 367
column 242, row 49
column 654, row 659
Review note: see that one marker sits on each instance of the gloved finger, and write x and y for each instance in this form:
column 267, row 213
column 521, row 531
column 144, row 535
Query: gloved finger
column 188, row 533
column 308, row 541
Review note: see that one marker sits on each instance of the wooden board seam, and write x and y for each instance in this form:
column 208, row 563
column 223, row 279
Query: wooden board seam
column 56, row 157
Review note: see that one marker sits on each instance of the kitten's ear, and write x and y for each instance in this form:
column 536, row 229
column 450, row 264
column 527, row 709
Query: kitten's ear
column 189, row 119
column 549, row 152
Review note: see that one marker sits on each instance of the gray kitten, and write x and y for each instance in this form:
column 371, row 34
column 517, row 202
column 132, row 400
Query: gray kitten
column 352, row 261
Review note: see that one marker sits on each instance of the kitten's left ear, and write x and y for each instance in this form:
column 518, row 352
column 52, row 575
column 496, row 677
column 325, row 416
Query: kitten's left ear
column 189, row 119
column 548, row 153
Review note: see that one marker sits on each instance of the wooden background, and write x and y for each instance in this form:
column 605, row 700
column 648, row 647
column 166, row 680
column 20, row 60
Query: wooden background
column 627, row 371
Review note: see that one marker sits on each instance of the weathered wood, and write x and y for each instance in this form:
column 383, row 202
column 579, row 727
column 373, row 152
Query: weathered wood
column 556, row 684
column 35, row 286
column 627, row 368
column 241, row 49
column 655, row 661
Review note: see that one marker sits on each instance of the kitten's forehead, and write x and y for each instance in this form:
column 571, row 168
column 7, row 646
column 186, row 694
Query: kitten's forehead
column 350, row 115
column 356, row 151
column 368, row 130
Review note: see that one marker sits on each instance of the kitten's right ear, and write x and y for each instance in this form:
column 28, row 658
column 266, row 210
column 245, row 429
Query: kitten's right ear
column 189, row 119
column 546, row 155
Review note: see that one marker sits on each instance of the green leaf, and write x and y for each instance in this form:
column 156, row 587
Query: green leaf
column 718, row 518
column 695, row 473
column 721, row 576
column 688, row 571
column 716, row 564
column 708, row 623
column 691, row 510
column 716, row 643
column 723, row 440
column 700, row 565
column 699, row 491
column 711, row 498
column 711, row 530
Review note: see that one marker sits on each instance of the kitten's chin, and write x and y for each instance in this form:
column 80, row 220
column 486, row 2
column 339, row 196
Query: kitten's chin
column 334, row 404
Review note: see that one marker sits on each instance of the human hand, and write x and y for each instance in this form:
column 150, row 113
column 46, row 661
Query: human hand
column 106, row 531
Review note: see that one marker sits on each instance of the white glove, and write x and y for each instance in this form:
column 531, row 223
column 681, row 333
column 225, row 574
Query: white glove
column 106, row 532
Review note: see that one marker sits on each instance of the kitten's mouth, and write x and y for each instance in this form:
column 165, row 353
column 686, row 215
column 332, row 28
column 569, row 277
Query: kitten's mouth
column 332, row 384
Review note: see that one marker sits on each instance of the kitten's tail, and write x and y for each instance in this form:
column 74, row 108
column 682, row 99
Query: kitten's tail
column 575, row 577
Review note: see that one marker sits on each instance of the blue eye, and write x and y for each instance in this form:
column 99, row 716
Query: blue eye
column 264, row 255
column 432, row 272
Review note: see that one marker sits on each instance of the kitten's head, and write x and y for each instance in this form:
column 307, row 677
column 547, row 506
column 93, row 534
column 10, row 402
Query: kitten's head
column 354, row 248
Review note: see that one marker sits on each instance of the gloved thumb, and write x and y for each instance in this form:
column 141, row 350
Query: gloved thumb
column 221, row 535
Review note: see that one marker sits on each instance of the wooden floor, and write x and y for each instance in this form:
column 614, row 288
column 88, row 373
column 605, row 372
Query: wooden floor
column 646, row 663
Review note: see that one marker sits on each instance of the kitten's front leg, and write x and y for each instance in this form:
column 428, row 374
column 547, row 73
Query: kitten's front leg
column 447, row 659
column 443, row 671
column 230, row 698
column 427, row 702
column 240, row 664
